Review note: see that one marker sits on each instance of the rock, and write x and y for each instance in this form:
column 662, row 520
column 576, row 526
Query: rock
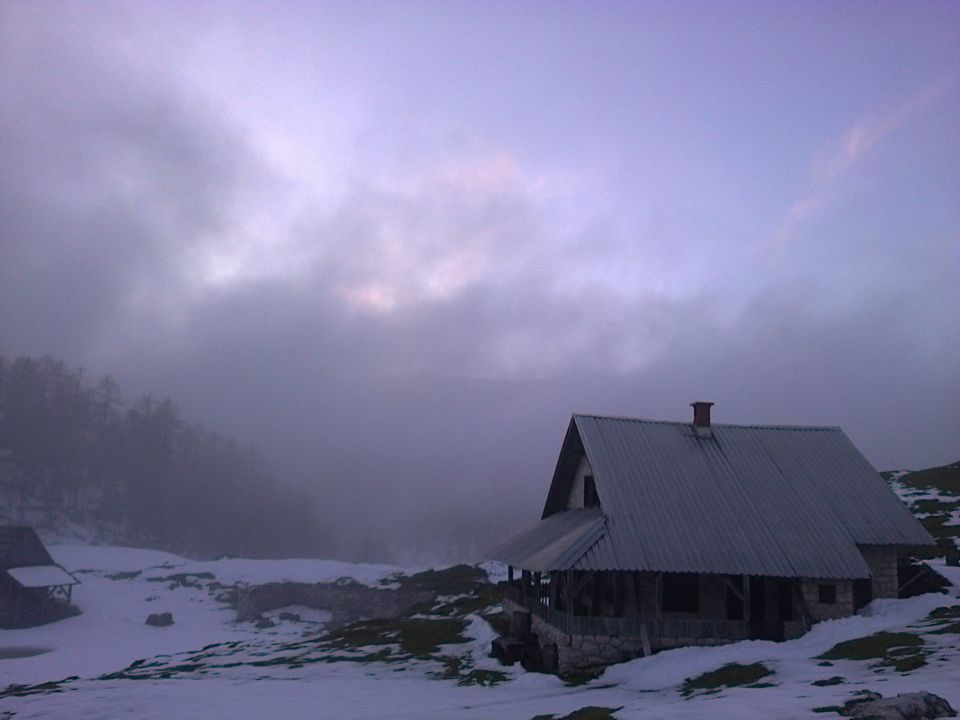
column 160, row 619
column 264, row 623
column 908, row 706
column 289, row 617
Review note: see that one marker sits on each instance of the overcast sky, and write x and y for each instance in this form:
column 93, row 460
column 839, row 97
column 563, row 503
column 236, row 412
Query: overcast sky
column 399, row 243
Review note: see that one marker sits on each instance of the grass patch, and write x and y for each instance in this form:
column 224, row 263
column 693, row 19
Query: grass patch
column 732, row 675
column 905, row 663
column 190, row 580
column 460, row 669
column 496, row 620
column 476, row 676
column 872, row 647
column 124, row 575
column 416, row 637
column 581, row 677
column 420, row 638
column 951, row 629
column 935, row 525
column 480, row 597
column 455, row 580
column 945, row 479
column 951, row 612
column 826, row 682
column 929, row 505
column 901, row 652
column 591, row 712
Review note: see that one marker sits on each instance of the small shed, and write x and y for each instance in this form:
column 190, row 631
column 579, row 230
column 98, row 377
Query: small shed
column 33, row 588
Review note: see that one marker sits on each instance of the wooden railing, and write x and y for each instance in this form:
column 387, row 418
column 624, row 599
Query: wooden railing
column 657, row 630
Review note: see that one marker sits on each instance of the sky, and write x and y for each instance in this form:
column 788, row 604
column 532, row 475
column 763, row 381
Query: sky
column 398, row 244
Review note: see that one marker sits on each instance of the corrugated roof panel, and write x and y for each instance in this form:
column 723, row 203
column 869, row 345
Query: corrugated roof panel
column 670, row 508
column 552, row 544
column 755, row 500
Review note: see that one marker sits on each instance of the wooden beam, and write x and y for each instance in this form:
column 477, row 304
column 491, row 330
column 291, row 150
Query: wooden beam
column 733, row 588
column 802, row 604
column 583, row 582
column 658, row 592
column 747, row 605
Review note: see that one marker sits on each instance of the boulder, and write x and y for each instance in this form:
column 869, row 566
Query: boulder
column 160, row 619
column 908, row 706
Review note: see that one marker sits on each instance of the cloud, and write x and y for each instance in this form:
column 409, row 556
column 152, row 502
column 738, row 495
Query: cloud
column 835, row 159
column 408, row 339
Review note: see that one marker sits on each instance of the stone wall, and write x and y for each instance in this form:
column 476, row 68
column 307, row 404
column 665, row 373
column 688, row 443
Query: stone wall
column 346, row 601
column 581, row 652
column 883, row 567
column 843, row 607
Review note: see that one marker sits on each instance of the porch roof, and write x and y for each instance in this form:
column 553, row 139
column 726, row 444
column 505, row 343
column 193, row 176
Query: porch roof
column 555, row 543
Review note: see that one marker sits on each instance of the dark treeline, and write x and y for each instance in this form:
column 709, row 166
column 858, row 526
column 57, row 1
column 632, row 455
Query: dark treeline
column 73, row 449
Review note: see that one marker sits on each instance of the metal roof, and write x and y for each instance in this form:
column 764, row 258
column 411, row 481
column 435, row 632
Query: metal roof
column 759, row 500
column 552, row 544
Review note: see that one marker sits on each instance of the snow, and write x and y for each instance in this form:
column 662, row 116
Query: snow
column 121, row 586
column 37, row 576
column 666, row 669
column 228, row 570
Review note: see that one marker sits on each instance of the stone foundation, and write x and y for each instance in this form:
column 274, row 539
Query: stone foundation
column 563, row 652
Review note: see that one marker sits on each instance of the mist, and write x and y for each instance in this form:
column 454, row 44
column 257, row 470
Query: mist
column 395, row 247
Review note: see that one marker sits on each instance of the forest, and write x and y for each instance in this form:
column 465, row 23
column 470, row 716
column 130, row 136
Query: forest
column 74, row 451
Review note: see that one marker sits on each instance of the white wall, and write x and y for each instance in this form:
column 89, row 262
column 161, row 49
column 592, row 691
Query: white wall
column 576, row 492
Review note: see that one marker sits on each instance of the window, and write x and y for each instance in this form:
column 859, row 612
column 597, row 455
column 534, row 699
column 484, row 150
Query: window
column 681, row 593
column 590, row 497
column 827, row 594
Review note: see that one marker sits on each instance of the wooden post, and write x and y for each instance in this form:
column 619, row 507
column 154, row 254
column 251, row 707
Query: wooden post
column 510, row 573
column 570, row 593
column 618, row 593
column 747, row 606
column 658, row 591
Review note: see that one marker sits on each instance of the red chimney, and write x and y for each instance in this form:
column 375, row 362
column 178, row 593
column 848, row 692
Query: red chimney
column 701, row 414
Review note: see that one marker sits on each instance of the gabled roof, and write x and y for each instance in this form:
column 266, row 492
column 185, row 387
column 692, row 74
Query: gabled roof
column 759, row 500
column 21, row 546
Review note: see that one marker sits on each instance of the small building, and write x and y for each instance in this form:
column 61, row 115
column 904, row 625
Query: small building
column 33, row 588
column 662, row 534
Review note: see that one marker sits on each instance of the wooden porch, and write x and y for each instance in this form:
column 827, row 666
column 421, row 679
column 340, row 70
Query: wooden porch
column 608, row 604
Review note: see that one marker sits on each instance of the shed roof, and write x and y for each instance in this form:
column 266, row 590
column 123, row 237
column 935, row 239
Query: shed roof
column 759, row 500
column 21, row 546
column 36, row 576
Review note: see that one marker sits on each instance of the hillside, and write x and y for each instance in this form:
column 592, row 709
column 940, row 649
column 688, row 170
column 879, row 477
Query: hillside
column 933, row 495
column 428, row 657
